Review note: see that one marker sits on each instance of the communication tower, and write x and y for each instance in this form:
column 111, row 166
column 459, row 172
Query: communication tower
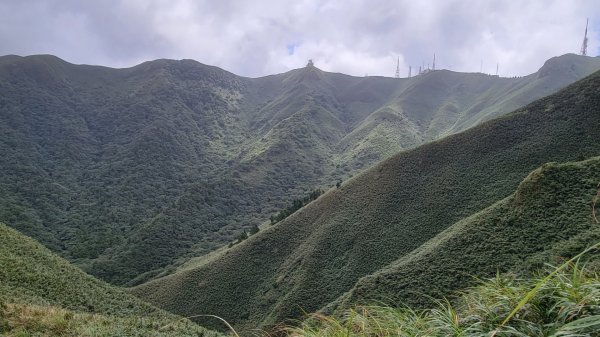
column 584, row 45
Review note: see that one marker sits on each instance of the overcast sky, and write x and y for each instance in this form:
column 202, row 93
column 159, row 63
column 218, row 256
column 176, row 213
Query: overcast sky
column 257, row 38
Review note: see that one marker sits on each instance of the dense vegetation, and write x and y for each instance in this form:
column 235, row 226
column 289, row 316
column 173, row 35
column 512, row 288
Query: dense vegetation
column 41, row 294
column 547, row 219
column 296, row 205
column 24, row 320
column 566, row 304
column 125, row 171
column 380, row 218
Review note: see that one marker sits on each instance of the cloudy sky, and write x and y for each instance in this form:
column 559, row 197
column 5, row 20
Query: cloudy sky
column 257, row 38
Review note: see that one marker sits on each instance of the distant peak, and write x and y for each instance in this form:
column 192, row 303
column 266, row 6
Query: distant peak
column 310, row 73
column 563, row 65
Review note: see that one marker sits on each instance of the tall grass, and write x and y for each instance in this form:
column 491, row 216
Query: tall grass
column 594, row 204
column 541, row 283
column 26, row 320
column 563, row 302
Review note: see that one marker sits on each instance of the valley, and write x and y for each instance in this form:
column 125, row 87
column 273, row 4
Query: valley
column 384, row 234
column 126, row 172
column 181, row 186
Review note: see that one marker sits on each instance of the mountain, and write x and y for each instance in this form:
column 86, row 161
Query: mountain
column 127, row 171
column 41, row 292
column 548, row 217
column 379, row 221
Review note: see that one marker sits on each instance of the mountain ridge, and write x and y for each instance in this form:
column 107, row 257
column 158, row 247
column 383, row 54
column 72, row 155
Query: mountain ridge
column 314, row 256
column 547, row 219
column 127, row 171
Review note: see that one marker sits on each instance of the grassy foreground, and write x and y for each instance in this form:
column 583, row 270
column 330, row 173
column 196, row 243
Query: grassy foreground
column 41, row 294
column 566, row 304
column 25, row 320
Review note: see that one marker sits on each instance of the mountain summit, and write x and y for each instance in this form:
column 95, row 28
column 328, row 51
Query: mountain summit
column 425, row 221
column 127, row 171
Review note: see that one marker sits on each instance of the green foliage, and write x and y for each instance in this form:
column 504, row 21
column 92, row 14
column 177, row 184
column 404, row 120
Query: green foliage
column 254, row 229
column 126, row 171
column 390, row 222
column 42, row 294
column 34, row 320
column 31, row 273
column 548, row 213
column 565, row 305
column 243, row 236
column 296, row 205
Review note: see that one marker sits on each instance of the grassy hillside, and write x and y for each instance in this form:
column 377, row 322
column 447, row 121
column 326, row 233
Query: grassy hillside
column 42, row 293
column 441, row 103
column 548, row 217
column 18, row 320
column 378, row 217
column 31, row 273
column 564, row 304
column 126, row 171
column 556, row 73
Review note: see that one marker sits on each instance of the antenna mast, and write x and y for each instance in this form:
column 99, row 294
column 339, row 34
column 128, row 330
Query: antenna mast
column 409, row 71
column 433, row 68
column 585, row 39
column 398, row 68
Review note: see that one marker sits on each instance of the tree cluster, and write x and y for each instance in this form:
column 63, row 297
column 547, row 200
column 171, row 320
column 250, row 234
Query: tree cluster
column 296, row 205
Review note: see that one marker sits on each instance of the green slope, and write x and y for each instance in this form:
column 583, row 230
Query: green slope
column 372, row 220
column 127, row 171
column 32, row 279
column 556, row 73
column 441, row 103
column 563, row 304
column 548, row 217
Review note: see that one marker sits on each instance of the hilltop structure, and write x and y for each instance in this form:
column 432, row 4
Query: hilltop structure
column 585, row 40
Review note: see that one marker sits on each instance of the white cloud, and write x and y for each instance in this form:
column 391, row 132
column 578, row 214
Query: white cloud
column 251, row 38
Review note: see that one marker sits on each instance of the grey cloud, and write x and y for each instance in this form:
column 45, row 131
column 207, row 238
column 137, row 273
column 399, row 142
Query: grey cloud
column 251, row 37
